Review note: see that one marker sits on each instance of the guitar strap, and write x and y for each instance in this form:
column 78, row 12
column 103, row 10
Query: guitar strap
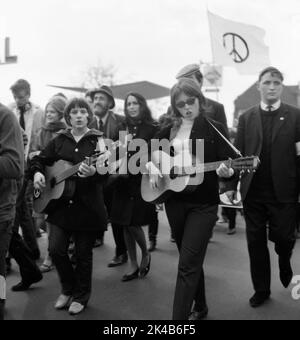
column 225, row 139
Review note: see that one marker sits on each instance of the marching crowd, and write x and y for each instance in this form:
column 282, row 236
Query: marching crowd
column 72, row 135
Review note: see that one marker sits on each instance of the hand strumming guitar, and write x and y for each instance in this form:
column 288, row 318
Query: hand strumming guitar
column 154, row 174
column 39, row 181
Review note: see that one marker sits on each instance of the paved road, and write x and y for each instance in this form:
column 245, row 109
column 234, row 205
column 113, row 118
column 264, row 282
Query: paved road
column 227, row 280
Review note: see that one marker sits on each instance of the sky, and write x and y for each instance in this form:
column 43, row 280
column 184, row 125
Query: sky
column 56, row 41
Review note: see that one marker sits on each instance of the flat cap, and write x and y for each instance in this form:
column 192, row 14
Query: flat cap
column 188, row 70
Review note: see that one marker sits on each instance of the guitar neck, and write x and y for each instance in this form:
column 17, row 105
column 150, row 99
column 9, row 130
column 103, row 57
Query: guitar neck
column 74, row 169
column 206, row 167
column 67, row 173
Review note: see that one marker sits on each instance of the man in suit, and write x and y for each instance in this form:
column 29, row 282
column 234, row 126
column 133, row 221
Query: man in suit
column 270, row 130
column 216, row 110
column 110, row 124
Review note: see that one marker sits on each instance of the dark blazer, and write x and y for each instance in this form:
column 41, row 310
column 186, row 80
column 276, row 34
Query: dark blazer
column 216, row 112
column 215, row 149
column 113, row 125
column 286, row 133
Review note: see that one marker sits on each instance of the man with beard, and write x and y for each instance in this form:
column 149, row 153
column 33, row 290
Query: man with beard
column 110, row 124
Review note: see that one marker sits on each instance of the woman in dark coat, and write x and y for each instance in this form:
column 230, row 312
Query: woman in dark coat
column 128, row 207
column 192, row 215
column 83, row 215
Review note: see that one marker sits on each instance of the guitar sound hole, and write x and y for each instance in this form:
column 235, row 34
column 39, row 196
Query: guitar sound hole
column 174, row 173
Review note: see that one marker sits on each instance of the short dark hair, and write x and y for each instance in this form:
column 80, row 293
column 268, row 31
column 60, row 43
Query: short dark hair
column 77, row 102
column 20, row 85
column 274, row 72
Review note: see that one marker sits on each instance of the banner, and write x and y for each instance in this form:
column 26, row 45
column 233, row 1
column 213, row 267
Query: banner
column 238, row 45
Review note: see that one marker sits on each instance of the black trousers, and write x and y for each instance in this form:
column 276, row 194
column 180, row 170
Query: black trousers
column 118, row 233
column 230, row 213
column 276, row 221
column 19, row 250
column 24, row 218
column 5, row 235
column 191, row 225
column 153, row 229
column 76, row 282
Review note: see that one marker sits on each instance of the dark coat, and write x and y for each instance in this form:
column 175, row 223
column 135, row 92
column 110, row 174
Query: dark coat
column 216, row 112
column 215, row 149
column 11, row 162
column 113, row 125
column 286, row 133
column 128, row 207
column 86, row 210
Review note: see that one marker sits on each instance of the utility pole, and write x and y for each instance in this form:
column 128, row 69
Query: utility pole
column 8, row 59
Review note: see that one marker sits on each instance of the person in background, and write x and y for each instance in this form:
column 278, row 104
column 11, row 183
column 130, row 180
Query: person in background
column 54, row 111
column 270, row 130
column 11, row 171
column 31, row 118
column 129, row 210
column 110, row 124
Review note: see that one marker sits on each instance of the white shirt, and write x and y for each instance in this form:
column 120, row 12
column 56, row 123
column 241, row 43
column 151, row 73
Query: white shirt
column 275, row 106
column 104, row 119
column 182, row 140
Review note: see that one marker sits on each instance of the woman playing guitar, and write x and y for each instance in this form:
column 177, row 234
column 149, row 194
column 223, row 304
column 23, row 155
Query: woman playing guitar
column 192, row 215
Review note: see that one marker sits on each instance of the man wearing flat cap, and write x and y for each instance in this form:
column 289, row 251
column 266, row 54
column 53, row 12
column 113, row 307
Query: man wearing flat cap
column 110, row 124
column 216, row 111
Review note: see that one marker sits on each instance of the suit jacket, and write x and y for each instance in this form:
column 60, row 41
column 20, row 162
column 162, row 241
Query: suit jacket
column 286, row 132
column 113, row 125
column 216, row 112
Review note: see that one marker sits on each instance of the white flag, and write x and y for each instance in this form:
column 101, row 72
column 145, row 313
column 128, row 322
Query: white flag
column 239, row 45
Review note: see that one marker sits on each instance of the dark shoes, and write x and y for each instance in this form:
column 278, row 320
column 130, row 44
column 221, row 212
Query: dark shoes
column 144, row 271
column 286, row 272
column 99, row 242
column 129, row 277
column 152, row 246
column 258, row 299
column 199, row 315
column 118, row 261
column 24, row 285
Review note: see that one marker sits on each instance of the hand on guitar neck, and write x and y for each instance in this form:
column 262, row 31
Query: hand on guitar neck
column 224, row 172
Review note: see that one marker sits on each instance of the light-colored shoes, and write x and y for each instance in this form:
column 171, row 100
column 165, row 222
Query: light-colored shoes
column 62, row 301
column 76, row 308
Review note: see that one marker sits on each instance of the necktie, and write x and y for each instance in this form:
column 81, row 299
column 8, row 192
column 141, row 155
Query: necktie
column 269, row 108
column 21, row 119
column 101, row 125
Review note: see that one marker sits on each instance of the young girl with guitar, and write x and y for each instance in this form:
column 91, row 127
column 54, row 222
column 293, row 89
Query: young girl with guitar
column 82, row 213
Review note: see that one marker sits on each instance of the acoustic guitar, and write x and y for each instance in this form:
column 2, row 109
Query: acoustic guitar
column 58, row 183
column 179, row 178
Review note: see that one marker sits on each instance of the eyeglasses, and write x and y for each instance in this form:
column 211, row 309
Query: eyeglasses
column 189, row 101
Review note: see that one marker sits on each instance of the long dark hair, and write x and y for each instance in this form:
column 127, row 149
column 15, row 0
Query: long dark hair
column 145, row 113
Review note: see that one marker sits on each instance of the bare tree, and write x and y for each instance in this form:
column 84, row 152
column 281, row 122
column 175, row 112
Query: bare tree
column 100, row 74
